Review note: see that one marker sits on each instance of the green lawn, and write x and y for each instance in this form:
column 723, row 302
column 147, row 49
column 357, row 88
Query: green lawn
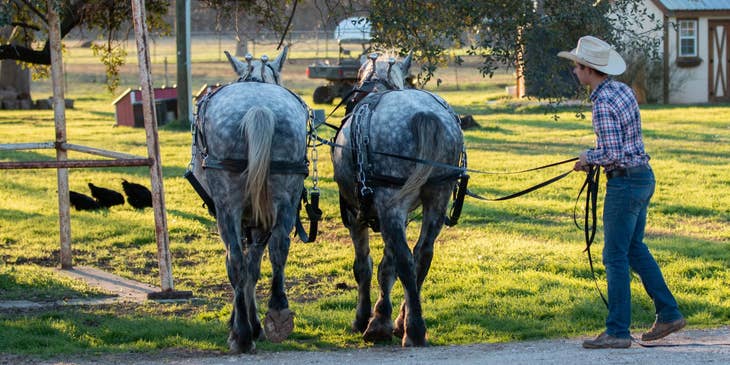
column 510, row 270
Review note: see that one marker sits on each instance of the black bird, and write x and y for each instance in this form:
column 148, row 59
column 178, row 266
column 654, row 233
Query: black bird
column 106, row 197
column 138, row 196
column 82, row 202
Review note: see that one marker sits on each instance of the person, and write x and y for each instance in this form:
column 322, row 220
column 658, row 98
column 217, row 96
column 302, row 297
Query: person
column 630, row 185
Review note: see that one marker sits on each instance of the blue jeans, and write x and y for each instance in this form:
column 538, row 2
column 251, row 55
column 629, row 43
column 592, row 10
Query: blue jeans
column 624, row 220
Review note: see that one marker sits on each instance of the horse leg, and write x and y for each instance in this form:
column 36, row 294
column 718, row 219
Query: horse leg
column 240, row 336
column 380, row 327
column 392, row 225
column 435, row 201
column 254, row 253
column 363, row 271
column 279, row 322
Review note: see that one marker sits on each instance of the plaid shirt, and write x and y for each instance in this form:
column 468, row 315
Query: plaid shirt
column 617, row 124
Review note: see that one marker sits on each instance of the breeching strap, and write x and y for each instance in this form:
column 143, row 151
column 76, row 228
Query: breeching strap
column 311, row 206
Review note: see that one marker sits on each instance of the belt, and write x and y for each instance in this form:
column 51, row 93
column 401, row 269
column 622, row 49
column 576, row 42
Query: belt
column 627, row 171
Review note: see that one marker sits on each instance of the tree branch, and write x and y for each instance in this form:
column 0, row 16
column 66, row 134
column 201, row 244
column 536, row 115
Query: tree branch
column 69, row 19
column 33, row 9
column 25, row 54
column 26, row 26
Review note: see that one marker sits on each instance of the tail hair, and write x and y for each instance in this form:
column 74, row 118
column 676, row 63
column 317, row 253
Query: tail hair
column 257, row 128
column 426, row 129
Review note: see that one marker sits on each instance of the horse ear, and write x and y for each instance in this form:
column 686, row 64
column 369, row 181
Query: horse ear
column 278, row 63
column 405, row 65
column 238, row 66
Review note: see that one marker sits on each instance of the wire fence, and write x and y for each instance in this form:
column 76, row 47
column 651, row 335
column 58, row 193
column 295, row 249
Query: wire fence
column 209, row 46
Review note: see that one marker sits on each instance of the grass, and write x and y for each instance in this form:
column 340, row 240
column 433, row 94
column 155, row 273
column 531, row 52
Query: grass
column 511, row 270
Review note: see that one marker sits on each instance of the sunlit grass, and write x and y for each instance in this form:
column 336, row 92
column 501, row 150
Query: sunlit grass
column 510, row 270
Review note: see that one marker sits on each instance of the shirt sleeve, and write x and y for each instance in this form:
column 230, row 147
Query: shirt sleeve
column 608, row 135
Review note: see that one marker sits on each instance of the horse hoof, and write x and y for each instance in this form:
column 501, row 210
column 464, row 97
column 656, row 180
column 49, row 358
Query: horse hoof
column 410, row 342
column 278, row 325
column 378, row 331
column 236, row 348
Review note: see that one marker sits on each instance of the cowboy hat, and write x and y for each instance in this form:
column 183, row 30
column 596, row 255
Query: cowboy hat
column 596, row 54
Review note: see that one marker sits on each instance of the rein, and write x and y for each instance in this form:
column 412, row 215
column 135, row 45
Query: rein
column 590, row 186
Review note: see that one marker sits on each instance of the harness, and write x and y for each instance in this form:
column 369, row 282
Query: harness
column 200, row 149
column 368, row 179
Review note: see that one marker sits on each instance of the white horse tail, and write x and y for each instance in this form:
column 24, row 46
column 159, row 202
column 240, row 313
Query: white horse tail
column 258, row 131
column 427, row 134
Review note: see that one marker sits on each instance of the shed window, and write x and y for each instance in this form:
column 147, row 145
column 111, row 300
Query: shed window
column 688, row 38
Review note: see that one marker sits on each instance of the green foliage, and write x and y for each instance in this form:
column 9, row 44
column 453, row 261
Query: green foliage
column 110, row 19
column 112, row 56
column 510, row 33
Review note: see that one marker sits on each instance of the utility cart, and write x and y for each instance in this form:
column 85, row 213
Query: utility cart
column 349, row 33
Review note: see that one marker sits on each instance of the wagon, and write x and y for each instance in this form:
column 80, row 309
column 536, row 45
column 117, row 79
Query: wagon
column 349, row 33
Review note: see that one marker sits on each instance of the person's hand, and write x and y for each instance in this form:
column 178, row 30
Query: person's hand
column 578, row 166
column 581, row 164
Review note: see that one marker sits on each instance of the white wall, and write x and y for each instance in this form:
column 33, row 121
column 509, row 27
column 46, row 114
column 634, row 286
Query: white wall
column 686, row 85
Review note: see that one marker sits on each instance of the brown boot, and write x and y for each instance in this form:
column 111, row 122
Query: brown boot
column 606, row 341
column 661, row 330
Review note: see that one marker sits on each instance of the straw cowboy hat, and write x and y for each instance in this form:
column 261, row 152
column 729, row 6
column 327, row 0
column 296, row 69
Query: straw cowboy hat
column 596, row 54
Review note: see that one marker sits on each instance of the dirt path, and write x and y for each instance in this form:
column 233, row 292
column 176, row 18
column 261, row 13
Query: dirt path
column 687, row 347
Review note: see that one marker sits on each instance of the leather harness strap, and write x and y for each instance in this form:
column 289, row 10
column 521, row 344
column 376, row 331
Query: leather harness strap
column 240, row 165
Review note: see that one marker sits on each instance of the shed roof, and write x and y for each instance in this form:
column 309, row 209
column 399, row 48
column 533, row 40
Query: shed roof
column 695, row 5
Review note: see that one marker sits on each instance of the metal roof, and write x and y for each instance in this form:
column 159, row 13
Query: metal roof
column 674, row 5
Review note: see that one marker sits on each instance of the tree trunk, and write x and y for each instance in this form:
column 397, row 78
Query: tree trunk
column 14, row 86
column 241, row 47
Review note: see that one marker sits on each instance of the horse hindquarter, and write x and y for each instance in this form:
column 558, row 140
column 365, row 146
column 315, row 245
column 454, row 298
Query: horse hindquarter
column 255, row 124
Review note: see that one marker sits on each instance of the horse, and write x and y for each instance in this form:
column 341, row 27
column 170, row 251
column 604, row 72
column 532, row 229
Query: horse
column 249, row 158
column 397, row 149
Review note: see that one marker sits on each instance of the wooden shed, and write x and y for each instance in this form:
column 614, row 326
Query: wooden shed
column 128, row 107
column 696, row 49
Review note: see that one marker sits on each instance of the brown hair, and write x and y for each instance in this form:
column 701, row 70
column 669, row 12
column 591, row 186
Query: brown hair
column 599, row 73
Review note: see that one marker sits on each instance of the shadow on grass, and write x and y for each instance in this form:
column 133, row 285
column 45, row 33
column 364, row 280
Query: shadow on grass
column 90, row 330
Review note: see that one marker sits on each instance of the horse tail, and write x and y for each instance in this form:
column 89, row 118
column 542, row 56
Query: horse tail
column 258, row 130
column 426, row 129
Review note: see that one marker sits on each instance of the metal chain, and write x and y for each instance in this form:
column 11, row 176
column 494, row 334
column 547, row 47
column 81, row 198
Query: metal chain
column 314, row 155
column 361, row 141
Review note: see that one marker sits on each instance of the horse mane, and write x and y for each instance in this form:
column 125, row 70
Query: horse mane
column 379, row 71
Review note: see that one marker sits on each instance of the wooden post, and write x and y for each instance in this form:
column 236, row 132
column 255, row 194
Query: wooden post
column 153, row 145
column 59, row 117
column 184, row 92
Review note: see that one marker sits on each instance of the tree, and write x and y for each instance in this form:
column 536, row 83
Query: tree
column 514, row 33
column 250, row 16
column 107, row 18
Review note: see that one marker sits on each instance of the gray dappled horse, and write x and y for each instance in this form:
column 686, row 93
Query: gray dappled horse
column 378, row 189
column 250, row 157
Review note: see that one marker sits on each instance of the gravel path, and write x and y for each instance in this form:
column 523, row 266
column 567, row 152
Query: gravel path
column 686, row 347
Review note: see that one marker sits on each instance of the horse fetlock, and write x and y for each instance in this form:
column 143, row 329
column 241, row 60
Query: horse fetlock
column 400, row 327
column 360, row 324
